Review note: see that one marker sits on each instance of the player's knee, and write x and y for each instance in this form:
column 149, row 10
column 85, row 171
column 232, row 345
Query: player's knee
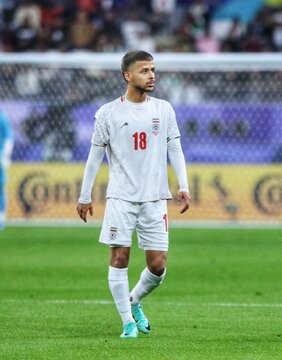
column 157, row 267
column 119, row 258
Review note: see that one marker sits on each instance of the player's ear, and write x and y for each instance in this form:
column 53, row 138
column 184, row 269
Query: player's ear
column 127, row 75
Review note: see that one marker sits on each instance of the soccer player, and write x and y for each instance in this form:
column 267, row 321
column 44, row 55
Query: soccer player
column 137, row 131
column 6, row 146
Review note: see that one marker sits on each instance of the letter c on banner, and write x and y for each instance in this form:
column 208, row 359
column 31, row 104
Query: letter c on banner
column 268, row 194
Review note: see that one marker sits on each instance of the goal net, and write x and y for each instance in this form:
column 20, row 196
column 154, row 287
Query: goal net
column 229, row 111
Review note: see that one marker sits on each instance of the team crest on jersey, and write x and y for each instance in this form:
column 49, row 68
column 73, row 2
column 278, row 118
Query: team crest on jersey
column 113, row 233
column 155, row 126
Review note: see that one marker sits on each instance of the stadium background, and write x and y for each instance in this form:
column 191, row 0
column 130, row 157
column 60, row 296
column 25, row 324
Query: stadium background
column 229, row 115
column 219, row 64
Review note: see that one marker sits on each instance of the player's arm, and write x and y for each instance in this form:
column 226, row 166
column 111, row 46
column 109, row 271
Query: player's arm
column 177, row 161
column 92, row 166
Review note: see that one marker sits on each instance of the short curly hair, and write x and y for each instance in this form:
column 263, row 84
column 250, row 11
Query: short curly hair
column 132, row 56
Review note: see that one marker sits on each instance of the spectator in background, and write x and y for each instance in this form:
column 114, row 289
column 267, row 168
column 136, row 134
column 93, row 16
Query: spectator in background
column 165, row 7
column 110, row 35
column 200, row 9
column 50, row 11
column 146, row 42
column 82, row 32
column 7, row 12
column 199, row 12
column 56, row 35
column 7, row 9
column 207, row 43
column 28, row 10
column 25, row 36
column 254, row 42
column 6, row 147
column 110, row 27
column 164, row 25
column 276, row 36
column 55, row 24
column 104, row 43
column 89, row 6
column 162, row 15
column 119, row 6
column 186, row 39
column 131, row 29
column 233, row 40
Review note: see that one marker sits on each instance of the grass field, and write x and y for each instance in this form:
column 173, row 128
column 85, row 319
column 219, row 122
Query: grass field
column 221, row 299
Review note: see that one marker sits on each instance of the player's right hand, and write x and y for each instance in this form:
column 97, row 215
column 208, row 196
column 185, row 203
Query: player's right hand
column 184, row 198
column 82, row 210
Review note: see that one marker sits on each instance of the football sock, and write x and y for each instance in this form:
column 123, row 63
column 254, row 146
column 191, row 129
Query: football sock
column 147, row 283
column 118, row 283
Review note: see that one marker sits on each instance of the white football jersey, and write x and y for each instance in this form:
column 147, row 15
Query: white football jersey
column 136, row 136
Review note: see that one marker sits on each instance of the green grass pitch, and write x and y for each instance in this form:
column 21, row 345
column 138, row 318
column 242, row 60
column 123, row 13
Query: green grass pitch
column 221, row 299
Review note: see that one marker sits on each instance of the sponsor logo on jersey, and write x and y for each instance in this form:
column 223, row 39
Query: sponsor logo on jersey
column 113, row 233
column 155, row 126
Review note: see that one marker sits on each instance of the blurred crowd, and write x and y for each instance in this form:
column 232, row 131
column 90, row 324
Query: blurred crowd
column 119, row 25
column 73, row 86
column 52, row 111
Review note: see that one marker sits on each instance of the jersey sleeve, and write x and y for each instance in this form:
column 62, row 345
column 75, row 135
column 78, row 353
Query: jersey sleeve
column 172, row 127
column 100, row 135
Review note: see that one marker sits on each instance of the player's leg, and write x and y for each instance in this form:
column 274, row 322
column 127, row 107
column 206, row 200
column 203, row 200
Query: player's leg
column 118, row 283
column 116, row 232
column 153, row 238
column 151, row 277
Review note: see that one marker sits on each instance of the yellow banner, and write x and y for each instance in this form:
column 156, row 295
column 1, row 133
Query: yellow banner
column 219, row 192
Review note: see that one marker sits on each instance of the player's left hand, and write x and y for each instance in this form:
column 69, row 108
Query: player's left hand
column 184, row 198
column 83, row 209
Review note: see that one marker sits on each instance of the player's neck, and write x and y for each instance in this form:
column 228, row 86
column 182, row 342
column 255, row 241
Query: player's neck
column 136, row 97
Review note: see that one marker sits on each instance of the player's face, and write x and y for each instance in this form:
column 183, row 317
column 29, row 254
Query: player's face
column 141, row 76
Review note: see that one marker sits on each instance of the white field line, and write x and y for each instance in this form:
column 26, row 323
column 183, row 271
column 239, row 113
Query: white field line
column 59, row 301
column 244, row 305
column 109, row 302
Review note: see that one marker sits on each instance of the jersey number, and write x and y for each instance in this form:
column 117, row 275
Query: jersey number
column 140, row 141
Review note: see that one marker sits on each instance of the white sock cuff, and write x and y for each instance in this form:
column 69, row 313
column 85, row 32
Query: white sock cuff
column 163, row 276
column 152, row 277
column 116, row 274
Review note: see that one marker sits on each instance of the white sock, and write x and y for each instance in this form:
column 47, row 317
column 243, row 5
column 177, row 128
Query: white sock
column 118, row 283
column 147, row 283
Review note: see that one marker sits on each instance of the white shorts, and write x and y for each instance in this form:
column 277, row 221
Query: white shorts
column 148, row 218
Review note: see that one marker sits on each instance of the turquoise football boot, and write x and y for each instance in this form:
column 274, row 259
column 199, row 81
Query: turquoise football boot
column 129, row 331
column 142, row 322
